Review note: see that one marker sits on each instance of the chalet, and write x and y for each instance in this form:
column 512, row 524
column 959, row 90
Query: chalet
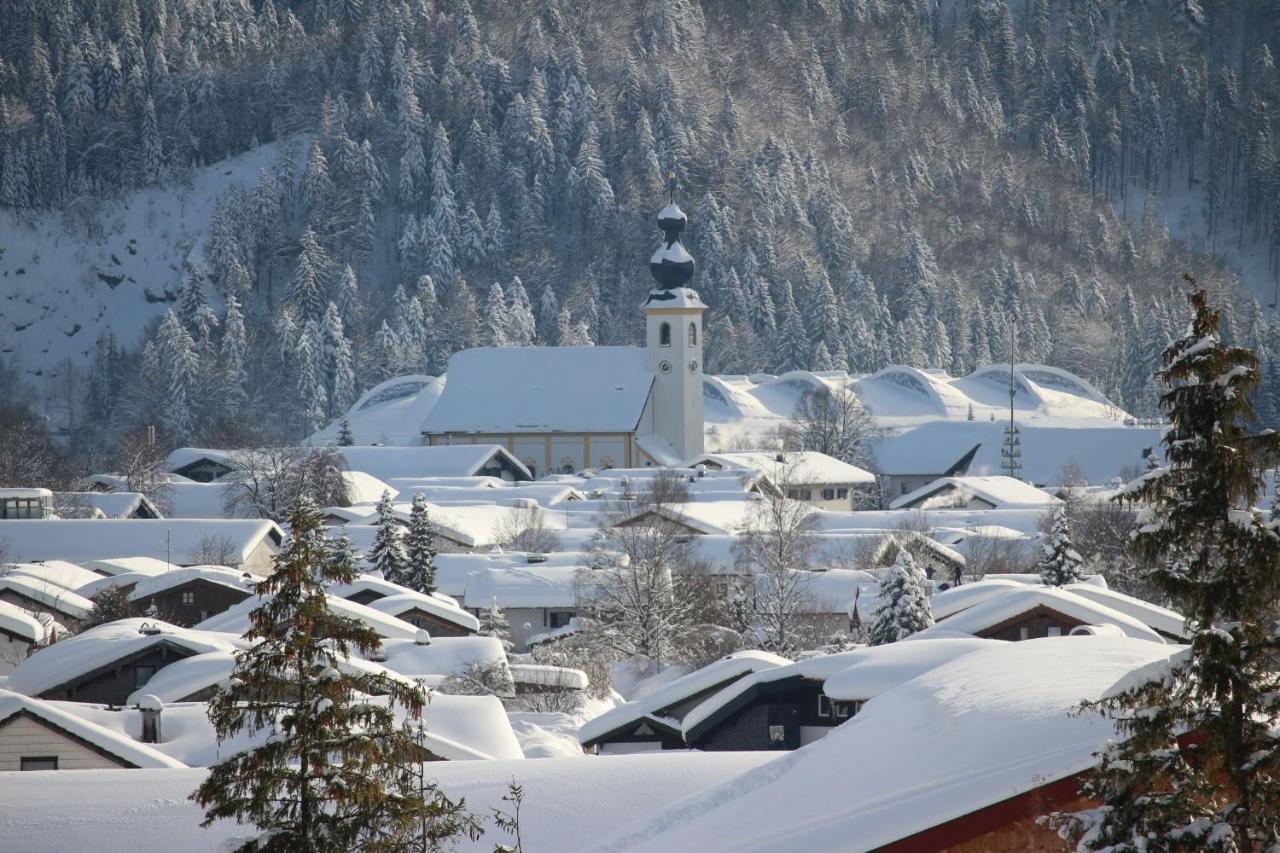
column 41, row 596
column 37, row 735
column 977, row 493
column 1030, row 612
column 436, row 659
column 566, row 409
column 652, row 722
column 25, row 504
column 20, row 633
column 425, row 611
column 201, row 465
column 808, row 476
column 235, row 620
column 473, row 459
column 780, row 708
column 877, row 669
column 190, row 595
column 248, row 545
column 57, row 572
column 107, row 663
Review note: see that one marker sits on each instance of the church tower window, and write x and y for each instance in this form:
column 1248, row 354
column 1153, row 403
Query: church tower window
column 693, row 334
column 664, row 335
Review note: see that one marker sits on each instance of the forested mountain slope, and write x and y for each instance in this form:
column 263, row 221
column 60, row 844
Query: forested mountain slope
column 868, row 181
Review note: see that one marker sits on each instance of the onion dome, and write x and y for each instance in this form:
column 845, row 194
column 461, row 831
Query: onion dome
column 671, row 266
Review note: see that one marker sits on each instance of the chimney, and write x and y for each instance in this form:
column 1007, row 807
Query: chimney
column 150, row 706
column 423, row 638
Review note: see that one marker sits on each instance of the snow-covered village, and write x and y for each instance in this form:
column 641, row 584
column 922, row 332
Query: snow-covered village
column 661, row 425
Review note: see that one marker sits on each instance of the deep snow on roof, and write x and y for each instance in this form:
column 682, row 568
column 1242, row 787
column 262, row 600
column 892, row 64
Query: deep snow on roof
column 236, row 619
column 972, row 732
column 735, row 666
column 443, row 656
column 21, row 622
column 797, row 466
column 1154, row 616
column 542, row 389
column 999, row 491
column 1014, row 602
column 456, row 460
column 48, row 595
column 220, row 575
column 523, row 586
column 399, row 604
column 111, row 504
column 129, row 565
column 83, row 653
column 951, row 601
column 59, row 572
column 875, row 669
column 390, row 412
column 115, row 743
column 85, row 540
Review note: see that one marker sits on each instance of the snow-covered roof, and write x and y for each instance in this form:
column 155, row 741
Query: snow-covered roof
column 19, row 492
column 59, row 572
column 220, row 575
column 184, row 456
column 796, row 467
column 437, row 490
column 534, row 585
column 129, row 566
column 56, row 598
column 1001, row 492
column 126, row 580
column 443, row 656
column 652, row 705
column 876, row 669
column 197, row 500
column 676, row 297
column 115, row 744
column 542, row 389
column 1014, row 602
column 83, row 653
column 22, row 623
column 397, row 605
column 952, row 601
column 390, row 412
column 363, row 487
column 543, row 675
column 235, row 620
column 113, row 504
column 86, row 540
column 453, row 460
column 1162, row 619
column 987, row 726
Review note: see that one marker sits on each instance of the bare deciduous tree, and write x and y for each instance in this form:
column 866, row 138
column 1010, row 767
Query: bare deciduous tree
column 269, row 481
column 833, row 422
column 214, row 551
column 526, row 529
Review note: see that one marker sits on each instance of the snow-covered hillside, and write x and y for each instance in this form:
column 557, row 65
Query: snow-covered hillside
column 64, row 277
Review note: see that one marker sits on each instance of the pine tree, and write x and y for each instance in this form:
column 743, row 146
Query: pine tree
column 1059, row 562
column 494, row 321
column 420, row 549
column 903, row 609
column 345, row 438
column 388, row 555
column 326, row 779
column 493, row 623
column 1218, row 562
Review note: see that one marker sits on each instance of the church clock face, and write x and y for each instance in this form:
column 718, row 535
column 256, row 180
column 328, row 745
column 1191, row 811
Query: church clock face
column 693, row 367
column 665, row 366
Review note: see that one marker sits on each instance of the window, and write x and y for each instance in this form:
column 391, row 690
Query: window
column 560, row 618
column 188, row 598
column 141, row 675
column 693, row 334
column 664, row 335
column 567, row 466
column 800, row 494
column 39, row 762
column 824, row 706
column 1055, row 631
column 828, row 494
column 903, row 489
column 1024, row 633
column 842, row 494
column 777, row 736
column 606, row 463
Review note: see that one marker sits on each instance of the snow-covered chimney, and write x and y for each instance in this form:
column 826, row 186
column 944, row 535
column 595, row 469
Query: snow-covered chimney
column 150, row 706
column 423, row 638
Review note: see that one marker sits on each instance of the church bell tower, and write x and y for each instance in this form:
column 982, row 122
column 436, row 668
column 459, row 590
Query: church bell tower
column 674, row 340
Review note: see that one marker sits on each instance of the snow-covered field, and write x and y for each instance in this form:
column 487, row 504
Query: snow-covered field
column 570, row 804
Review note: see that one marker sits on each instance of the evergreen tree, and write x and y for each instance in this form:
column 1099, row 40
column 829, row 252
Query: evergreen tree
column 345, row 438
column 493, row 623
column 903, row 609
column 325, row 779
column 388, row 555
column 495, row 317
column 1218, row 562
column 1059, row 561
column 420, row 549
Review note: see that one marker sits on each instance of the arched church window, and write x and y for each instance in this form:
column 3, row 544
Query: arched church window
column 693, row 334
column 567, row 466
column 606, row 463
column 664, row 335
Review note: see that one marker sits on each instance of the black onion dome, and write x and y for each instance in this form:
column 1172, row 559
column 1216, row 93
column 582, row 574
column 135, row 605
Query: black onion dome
column 671, row 266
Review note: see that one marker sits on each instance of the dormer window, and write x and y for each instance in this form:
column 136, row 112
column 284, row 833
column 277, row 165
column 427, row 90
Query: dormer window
column 664, row 335
column 693, row 334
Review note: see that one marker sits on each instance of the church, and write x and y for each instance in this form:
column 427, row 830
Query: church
column 566, row 409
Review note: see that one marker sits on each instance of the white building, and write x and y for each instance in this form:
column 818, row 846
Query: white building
column 564, row 409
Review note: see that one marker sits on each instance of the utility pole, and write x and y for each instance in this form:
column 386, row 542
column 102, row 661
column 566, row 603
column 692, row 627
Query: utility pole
column 1011, row 452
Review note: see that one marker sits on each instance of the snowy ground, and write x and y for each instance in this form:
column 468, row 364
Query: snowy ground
column 570, row 803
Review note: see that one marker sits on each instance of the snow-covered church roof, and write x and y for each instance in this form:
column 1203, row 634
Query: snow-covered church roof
column 542, row 389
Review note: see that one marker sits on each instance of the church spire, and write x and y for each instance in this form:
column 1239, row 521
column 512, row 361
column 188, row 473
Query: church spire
column 671, row 266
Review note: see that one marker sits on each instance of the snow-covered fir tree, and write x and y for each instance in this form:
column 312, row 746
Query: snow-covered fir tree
column 345, row 438
column 420, row 549
column 1059, row 561
column 1197, row 763
column 903, row 608
column 387, row 554
column 494, row 623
